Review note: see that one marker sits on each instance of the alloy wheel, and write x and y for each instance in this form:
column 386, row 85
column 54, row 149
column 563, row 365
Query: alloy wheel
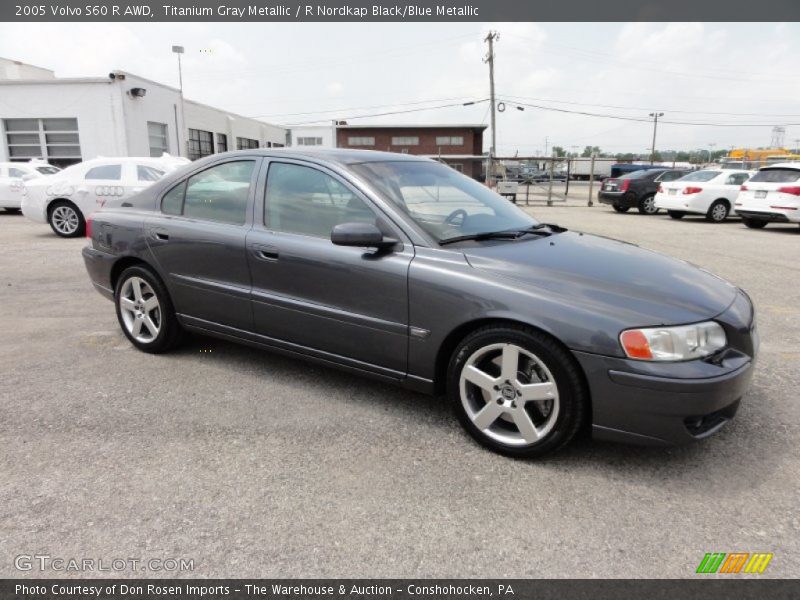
column 65, row 219
column 719, row 212
column 509, row 394
column 140, row 310
column 649, row 205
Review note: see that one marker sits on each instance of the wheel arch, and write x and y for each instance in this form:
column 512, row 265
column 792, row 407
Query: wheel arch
column 457, row 335
column 51, row 202
column 125, row 262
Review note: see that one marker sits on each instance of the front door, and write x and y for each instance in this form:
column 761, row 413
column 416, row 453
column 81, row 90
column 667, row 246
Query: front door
column 348, row 302
column 198, row 240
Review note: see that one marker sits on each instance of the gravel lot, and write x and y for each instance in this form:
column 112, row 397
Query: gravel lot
column 255, row 465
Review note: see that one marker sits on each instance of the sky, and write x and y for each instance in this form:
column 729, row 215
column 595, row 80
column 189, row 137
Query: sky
column 716, row 74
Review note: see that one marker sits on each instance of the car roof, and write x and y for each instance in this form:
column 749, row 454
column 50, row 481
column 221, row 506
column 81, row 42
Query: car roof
column 343, row 156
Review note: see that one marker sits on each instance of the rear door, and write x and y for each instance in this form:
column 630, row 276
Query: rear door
column 198, row 240
column 344, row 301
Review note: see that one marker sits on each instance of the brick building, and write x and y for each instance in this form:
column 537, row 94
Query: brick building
column 460, row 146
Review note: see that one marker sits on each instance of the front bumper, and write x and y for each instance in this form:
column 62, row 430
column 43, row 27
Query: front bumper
column 673, row 403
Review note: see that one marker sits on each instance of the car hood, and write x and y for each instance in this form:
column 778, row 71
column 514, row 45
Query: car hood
column 632, row 285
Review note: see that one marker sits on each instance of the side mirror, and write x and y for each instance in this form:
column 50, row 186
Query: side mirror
column 360, row 234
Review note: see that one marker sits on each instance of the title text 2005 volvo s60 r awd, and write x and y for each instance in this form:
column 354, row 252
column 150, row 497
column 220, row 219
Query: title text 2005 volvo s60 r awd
column 404, row 269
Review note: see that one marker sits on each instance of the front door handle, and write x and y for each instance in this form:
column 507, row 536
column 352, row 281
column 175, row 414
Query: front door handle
column 160, row 234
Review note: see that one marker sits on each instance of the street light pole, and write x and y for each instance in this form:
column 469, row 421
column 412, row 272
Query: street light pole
column 655, row 116
column 710, row 148
column 182, row 148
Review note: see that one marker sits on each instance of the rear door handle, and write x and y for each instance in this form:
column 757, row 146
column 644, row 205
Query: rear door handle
column 159, row 234
column 269, row 253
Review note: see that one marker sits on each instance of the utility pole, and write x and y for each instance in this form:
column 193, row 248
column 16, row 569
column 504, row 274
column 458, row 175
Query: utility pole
column 710, row 150
column 184, row 151
column 655, row 116
column 546, row 144
column 490, row 38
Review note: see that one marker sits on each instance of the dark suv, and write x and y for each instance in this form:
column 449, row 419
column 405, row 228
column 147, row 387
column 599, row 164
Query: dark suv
column 636, row 189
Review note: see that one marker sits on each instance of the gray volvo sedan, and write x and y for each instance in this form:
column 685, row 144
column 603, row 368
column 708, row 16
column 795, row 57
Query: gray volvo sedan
column 400, row 268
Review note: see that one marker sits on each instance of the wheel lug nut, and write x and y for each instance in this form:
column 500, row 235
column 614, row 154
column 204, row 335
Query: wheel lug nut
column 499, row 400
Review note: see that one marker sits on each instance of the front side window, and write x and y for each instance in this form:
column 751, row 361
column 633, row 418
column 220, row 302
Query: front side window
column 309, row 202
column 220, row 193
column 107, row 172
column 440, row 200
column 737, row 179
column 145, row 173
column 13, row 172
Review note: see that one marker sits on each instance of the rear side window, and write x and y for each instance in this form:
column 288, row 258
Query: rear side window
column 172, row 202
column 109, row 172
column 220, row 193
column 777, row 176
column 145, row 173
column 636, row 175
column 12, row 172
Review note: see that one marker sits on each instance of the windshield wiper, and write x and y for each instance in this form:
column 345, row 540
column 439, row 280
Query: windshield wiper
column 506, row 234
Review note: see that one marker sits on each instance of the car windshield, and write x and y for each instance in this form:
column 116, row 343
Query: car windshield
column 442, row 201
column 700, row 176
column 777, row 175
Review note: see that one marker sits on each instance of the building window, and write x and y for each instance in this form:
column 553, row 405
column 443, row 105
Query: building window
column 54, row 140
column 361, row 141
column 222, row 142
column 246, row 144
column 309, row 141
column 201, row 143
column 157, row 134
column 457, row 166
column 452, row 140
column 410, row 140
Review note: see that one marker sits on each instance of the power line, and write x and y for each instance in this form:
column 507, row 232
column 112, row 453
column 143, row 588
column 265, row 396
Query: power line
column 340, row 110
column 396, row 112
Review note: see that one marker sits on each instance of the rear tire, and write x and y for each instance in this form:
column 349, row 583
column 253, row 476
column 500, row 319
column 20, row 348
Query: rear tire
column 516, row 390
column 718, row 211
column 65, row 219
column 676, row 214
column 647, row 205
column 145, row 312
column 754, row 223
column 620, row 209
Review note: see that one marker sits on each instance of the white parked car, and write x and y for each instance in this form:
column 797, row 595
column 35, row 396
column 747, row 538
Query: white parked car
column 772, row 194
column 709, row 192
column 12, row 176
column 68, row 198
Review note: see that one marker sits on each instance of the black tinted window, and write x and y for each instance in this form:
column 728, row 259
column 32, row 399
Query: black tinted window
column 307, row 201
column 220, row 193
column 777, row 176
column 113, row 172
column 172, row 202
column 637, row 175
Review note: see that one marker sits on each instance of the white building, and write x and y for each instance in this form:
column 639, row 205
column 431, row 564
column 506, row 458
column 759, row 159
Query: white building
column 66, row 120
column 322, row 136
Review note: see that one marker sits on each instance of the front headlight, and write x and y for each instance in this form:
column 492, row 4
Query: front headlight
column 684, row 342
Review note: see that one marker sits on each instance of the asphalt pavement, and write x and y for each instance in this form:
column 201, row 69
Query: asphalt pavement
column 256, row 465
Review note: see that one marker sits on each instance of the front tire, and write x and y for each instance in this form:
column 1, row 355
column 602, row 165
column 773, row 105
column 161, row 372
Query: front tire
column 754, row 223
column 145, row 312
column 647, row 205
column 676, row 214
column 65, row 219
column 718, row 211
column 516, row 391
